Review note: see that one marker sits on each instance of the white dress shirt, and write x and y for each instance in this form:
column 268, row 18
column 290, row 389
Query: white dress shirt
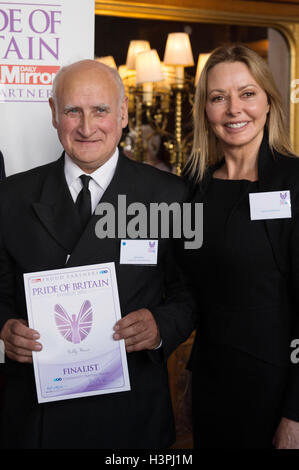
column 100, row 181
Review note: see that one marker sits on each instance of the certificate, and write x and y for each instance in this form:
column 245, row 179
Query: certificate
column 74, row 310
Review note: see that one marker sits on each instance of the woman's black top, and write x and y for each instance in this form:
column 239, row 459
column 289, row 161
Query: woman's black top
column 239, row 285
column 237, row 279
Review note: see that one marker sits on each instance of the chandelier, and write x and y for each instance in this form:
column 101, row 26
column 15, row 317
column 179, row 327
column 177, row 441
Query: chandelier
column 160, row 100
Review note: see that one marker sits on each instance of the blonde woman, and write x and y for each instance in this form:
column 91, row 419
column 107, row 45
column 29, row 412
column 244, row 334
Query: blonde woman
column 245, row 387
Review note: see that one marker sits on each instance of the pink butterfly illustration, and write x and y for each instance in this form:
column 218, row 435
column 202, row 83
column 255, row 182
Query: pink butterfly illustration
column 151, row 248
column 74, row 329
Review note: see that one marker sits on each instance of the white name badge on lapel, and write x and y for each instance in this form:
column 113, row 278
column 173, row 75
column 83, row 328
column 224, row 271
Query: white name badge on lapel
column 138, row 251
column 270, row 205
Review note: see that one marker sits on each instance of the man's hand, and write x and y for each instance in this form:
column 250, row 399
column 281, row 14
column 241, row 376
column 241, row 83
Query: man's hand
column 287, row 435
column 19, row 340
column 139, row 330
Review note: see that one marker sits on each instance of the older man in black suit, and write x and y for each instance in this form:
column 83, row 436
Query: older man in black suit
column 2, row 170
column 41, row 229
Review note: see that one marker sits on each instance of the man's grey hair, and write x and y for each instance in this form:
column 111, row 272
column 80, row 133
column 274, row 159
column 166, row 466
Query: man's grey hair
column 113, row 72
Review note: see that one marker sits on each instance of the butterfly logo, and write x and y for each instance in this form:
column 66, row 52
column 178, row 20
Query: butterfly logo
column 152, row 247
column 282, row 198
column 75, row 328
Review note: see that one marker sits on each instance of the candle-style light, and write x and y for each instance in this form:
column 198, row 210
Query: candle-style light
column 178, row 52
column 152, row 88
column 107, row 60
column 148, row 71
column 134, row 48
column 128, row 77
column 202, row 59
column 168, row 75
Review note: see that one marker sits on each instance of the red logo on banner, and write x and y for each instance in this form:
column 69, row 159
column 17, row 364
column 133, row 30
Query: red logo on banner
column 27, row 74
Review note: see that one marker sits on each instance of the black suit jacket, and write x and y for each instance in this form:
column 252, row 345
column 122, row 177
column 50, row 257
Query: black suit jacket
column 2, row 169
column 39, row 227
column 266, row 335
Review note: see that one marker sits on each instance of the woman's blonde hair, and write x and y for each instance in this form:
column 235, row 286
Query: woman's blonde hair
column 206, row 149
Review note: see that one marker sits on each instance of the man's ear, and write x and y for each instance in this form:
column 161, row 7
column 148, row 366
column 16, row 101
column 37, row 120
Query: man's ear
column 53, row 109
column 124, row 112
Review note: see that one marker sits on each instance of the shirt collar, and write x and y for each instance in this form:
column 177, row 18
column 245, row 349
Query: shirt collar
column 102, row 176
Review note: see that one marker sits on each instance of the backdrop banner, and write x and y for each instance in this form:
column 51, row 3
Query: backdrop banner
column 37, row 37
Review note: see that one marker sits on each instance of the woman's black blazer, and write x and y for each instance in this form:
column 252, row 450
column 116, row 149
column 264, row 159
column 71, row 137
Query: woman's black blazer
column 268, row 335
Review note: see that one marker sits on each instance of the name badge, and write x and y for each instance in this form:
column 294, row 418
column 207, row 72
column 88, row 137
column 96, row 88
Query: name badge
column 270, row 205
column 138, row 251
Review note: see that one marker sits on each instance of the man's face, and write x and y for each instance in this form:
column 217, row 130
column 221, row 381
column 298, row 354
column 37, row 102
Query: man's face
column 88, row 115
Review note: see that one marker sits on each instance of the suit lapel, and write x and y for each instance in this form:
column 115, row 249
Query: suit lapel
column 90, row 249
column 56, row 209
column 123, row 182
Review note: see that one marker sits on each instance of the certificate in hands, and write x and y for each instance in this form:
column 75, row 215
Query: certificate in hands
column 74, row 310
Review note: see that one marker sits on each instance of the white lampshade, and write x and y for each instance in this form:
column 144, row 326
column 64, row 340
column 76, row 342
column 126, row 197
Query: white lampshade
column 107, row 60
column 127, row 76
column 178, row 50
column 135, row 47
column 202, row 58
column 168, row 72
column 148, row 67
column 122, row 70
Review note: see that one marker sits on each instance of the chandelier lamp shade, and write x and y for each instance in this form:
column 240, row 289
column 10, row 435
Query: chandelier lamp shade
column 159, row 95
column 148, row 71
column 178, row 53
column 135, row 47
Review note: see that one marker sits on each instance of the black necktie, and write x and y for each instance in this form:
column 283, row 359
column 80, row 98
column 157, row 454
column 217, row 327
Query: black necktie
column 83, row 201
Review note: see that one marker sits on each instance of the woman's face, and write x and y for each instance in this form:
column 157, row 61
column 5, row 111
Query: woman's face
column 236, row 105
